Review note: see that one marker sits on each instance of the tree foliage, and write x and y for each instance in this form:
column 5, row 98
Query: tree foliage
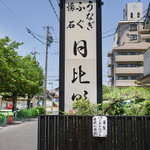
column 132, row 101
column 18, row 76
column 34, row 75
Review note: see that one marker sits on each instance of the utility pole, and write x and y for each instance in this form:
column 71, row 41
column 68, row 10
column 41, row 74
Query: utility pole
column 35, row 52
column 49, row 40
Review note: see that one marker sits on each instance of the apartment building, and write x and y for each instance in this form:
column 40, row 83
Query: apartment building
column 131, row 40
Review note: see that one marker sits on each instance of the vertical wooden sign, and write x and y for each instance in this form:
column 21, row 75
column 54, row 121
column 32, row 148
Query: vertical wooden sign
column 80, row 52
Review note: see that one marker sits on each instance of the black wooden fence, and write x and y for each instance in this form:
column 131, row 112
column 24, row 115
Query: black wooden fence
column 75, row 133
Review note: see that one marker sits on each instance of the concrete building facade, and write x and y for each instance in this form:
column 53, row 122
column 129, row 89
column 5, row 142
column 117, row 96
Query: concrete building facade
column 130, row 43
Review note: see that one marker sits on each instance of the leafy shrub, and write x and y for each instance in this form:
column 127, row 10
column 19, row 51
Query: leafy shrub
column 146, row 107
column 41, row 109
column 84, row 107
column 27, row 113
column 2, row 118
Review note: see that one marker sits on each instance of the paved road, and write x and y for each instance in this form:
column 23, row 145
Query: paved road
column 20, row 136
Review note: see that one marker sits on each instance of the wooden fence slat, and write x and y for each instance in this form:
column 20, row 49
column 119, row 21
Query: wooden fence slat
column 47, row 132
column 89, row 133
column 125, row 132
column 80, row 133
column 42, row 133
column 70, row 133
column 66, row 133
column 51, row 132
column 75, row 133
column 129, row 133
column 61, row 133
column 139, row 134
column 144, row 133
column 114, row 132
column 119, row 133
column 55, row 132
column 148, row 133
column 109, row 137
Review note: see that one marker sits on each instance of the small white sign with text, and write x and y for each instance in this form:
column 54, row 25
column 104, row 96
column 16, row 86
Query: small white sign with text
column 99, row 124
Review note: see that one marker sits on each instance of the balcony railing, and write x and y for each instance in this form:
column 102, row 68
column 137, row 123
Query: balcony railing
column 109, row 62
column 109, row 73
column 129, row 70
column 129, row 58
column 125, row 83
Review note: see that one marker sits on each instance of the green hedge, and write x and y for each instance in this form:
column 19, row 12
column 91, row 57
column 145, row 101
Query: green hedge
column 41, row 109
column 30, row 113
column 2, row 118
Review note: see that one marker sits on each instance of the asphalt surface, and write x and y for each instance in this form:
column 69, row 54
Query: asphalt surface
column 21, row 135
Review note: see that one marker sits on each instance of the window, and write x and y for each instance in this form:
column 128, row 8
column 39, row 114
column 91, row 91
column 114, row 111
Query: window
column 138, row 15
column 133, row 27
column 128, row 53
column 133, row 77
column 133, row 37
column 128, row 65
column 118, row 41
column 128, row 77
column 122, row 77
column 131, row 15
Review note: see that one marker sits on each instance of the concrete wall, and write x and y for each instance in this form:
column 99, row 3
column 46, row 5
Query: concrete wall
column 134, row 8
column 147, row 62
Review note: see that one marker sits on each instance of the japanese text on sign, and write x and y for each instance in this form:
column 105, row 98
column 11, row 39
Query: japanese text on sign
column 80, row 51
column 99, row 126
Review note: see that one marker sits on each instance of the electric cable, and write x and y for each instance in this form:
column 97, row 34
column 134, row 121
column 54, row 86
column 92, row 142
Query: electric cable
column 54, row 9
column 58, row 2
column 29, row 31
column 21, row 23
column 121, row 30
column 116, row 28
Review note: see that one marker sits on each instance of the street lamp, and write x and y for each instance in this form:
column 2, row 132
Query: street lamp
column 52, row 85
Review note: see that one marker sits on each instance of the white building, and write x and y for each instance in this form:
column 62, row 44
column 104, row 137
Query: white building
column 130, row 43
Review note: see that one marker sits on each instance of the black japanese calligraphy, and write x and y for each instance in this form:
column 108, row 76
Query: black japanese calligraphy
column 79, row 96
column 89, row 16
column 85, row 22
column 79, row 24
column 90, row 6
column 81, row 74
column 81, row 47
column 71, row 7
column 90, row 25
column 71, row 25
column 80, row 8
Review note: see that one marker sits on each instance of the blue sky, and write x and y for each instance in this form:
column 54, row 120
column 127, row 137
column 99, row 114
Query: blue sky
column 16, row 15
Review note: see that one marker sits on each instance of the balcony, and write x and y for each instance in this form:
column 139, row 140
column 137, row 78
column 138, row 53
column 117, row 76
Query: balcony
column 109, row 62
column 109, row 54
column 129, row 70
column 125, row 83
column 109, row 84
column 145, row 36
column 129, row 58
column 143, row 30
column 109, row 73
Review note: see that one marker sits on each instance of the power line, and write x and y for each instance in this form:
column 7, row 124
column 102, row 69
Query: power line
column 29, row 31
column 109, row 31
column 20, row 22
column 121, row 30
column 54, row 9
column 116, row 28
column 12, row 13
column 58, row 2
